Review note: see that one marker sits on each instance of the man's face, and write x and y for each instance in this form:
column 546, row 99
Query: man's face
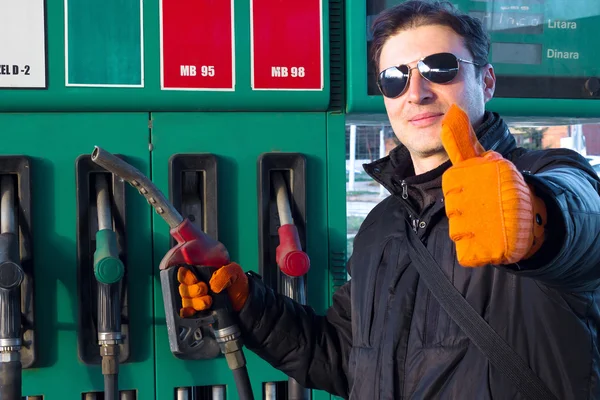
column 417, row 114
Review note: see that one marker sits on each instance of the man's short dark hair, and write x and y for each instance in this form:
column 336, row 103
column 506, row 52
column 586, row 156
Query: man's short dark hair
column 415, row 13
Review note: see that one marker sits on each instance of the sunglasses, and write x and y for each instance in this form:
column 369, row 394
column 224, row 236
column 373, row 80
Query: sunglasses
column 437, row 68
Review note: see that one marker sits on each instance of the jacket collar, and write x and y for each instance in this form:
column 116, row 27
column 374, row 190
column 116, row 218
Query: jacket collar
column 390, row 170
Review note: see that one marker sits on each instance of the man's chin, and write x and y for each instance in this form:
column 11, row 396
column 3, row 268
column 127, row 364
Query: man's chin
column 430, row 151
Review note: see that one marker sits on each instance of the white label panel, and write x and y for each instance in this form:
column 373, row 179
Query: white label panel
column 23, row 44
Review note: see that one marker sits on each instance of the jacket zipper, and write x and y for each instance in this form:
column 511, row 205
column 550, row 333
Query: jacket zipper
column 429, row 314
column 414, row 221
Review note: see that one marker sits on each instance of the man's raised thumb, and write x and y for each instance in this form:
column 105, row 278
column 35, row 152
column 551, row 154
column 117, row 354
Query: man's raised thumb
column 458, row 137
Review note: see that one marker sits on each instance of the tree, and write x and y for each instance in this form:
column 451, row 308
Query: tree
column 532, row 137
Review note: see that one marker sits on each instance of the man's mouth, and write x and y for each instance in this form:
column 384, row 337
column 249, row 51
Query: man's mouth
column 425, row 118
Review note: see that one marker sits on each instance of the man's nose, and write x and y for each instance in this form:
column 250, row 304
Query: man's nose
column 419, row 88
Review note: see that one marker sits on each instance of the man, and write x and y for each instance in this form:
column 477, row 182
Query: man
column 516, row 233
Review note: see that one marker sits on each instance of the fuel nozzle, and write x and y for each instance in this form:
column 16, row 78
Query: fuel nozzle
column 289, row 256
column 204, row 254
column 109, row 271
column 11, row 277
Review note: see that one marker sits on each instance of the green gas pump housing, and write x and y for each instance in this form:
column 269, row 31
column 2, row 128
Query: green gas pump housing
column 158, row 81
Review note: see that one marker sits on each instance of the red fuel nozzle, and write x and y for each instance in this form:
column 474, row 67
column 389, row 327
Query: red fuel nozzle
column 289, row 256
column 291, row 259
column 194, row 247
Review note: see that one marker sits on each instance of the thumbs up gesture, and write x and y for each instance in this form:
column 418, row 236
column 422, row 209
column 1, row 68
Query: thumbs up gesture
column 494, row 216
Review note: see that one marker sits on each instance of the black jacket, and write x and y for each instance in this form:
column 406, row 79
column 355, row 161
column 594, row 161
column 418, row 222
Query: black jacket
column 386, row 337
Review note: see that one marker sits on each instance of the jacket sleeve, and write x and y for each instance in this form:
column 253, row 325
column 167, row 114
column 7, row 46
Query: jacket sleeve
column 569, row 259
column 310, row 348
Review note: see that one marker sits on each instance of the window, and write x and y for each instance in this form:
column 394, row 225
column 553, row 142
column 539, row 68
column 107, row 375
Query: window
column 364, row 144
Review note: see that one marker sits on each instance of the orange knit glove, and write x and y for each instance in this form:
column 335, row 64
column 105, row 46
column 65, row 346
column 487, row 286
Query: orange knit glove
column 194, row 293
column 494, row 216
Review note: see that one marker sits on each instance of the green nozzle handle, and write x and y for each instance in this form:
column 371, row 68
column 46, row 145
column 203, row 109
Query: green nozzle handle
column 108, row 268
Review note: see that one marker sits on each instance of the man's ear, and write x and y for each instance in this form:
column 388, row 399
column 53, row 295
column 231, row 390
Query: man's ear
column 489, row 82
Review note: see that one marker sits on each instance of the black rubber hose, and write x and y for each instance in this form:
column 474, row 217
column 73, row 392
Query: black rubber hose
column 10, row 380
column 109, row 307
column 242, row 383
column 111, row 387
column 297, row 391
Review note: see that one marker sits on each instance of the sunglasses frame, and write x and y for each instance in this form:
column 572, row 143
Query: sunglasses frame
column 419, row 63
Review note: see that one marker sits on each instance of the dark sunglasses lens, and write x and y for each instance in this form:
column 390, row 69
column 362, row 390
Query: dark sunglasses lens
column 439, row 68
column 392, row 81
